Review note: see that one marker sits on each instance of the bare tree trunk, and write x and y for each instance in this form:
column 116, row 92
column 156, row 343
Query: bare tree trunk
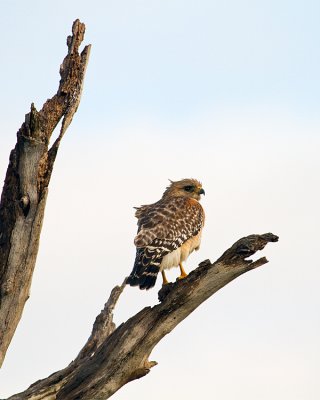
column 25, row 189
column 113, row 357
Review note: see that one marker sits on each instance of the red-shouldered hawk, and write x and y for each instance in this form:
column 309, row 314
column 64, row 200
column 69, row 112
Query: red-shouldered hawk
column 168, row 231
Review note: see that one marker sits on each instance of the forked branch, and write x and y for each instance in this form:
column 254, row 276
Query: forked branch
column 113, row 357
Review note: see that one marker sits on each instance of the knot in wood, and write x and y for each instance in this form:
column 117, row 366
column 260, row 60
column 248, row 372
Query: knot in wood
column 25, row 204
column 205, row 263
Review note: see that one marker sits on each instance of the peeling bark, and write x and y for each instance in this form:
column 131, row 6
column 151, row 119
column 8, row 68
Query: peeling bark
column 113, row 357
column 25, row 188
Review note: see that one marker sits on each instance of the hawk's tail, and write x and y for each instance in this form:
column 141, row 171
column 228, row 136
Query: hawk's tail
column 142, row 275
column 146, row 280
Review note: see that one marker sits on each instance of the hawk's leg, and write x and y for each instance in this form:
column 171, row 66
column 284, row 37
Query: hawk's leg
column 164, row 278
column 183, row 273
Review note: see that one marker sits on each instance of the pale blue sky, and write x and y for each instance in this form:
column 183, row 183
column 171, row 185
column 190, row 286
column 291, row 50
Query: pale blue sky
column 169, row 58
column 226, row 92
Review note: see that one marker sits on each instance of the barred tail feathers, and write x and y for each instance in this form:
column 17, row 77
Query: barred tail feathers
column 149, row 277
column 145, row 270
column 134, row 278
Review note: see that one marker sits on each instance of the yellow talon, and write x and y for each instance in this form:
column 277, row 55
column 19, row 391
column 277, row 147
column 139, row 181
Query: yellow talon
column 164, row 278
column 183, row 273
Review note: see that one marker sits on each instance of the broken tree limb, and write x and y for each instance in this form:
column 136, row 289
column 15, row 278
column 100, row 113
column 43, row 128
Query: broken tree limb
column 25, row 188
column 118, row 356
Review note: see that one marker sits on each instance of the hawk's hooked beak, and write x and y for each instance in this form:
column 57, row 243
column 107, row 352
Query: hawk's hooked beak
column 201, row 191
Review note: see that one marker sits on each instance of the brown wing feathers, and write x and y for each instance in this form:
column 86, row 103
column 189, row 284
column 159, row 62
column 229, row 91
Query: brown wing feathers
column 162, row 228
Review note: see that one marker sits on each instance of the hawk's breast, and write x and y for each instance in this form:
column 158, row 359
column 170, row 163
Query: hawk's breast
column 179, row 255
column 169, row 230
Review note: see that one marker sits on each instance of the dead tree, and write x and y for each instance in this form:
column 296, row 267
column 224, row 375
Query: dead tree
column 25, row 188
column 112, row 356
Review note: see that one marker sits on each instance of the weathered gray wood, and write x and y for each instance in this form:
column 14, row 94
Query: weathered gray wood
column 25, row 189
column 113, row 357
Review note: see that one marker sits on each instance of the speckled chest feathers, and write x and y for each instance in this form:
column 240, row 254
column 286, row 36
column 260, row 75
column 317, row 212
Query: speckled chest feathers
column 168, row 231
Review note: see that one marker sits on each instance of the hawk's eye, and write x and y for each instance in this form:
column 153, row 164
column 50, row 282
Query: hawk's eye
column 189, row 188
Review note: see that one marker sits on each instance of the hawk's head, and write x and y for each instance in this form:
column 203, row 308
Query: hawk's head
column 185, row 188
